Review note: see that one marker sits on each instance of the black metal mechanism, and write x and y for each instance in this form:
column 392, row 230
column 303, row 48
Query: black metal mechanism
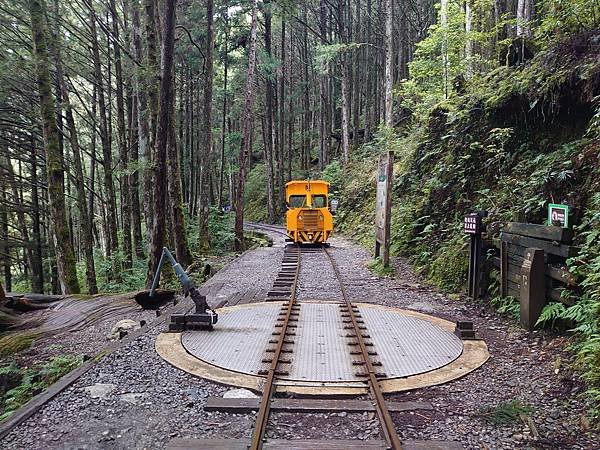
column 204, row 317
column 464, row 330
column 474, row 227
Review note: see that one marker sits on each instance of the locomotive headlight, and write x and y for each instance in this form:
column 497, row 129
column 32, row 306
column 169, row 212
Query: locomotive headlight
column 299, row 217
column 321, row 216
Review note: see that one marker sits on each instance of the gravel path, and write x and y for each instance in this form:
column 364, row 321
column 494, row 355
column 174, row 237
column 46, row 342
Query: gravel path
column 140, row 401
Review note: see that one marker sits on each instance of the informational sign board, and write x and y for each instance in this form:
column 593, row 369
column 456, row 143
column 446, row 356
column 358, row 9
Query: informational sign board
column 473, row 223
column 383, row 211
column 558, row 215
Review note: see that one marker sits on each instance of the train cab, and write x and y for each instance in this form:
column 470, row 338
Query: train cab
column 308, row 217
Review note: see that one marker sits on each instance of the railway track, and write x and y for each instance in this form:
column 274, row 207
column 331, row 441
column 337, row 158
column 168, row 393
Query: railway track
column 285, row 331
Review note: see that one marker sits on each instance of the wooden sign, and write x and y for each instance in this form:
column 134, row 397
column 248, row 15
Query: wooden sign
column 383, row 211
column 473, row 223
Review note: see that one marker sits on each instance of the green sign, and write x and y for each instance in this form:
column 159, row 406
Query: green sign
column 558, row 215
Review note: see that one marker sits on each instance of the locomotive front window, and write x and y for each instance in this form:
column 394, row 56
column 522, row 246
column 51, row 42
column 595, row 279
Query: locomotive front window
column 297, row 201
column 319, row 201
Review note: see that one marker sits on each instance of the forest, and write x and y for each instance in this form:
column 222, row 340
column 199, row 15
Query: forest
column 131, row 125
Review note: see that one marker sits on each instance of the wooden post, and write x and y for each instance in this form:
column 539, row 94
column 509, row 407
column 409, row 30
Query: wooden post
column 503, row 269
column 533, row 288
column 383, row 214
column 473, row 227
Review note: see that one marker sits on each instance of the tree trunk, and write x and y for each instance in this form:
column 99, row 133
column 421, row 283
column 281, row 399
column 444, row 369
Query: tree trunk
column 37, row 282
column 111, row 207
column 139, row 130
column 178, row 228
column 65, row 255
column 388, row 62
column 245, row 146
column 224, row 112
column 207, row 153
column 86, row 223
column 268, row 128
column 123, row 144
column 148, row 114
column 445, row 59
column 157, row 235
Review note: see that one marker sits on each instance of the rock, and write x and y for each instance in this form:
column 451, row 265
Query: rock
column 239, row 393
column 127, row 325
column 100, row 390
column 133, row 398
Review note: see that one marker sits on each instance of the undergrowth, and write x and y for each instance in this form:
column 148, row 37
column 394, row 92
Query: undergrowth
column 376, row 265
column 21, row 385
column 506, row 413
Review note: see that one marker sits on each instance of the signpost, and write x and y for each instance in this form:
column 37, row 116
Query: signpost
column 558, row 215
column 383, row 213
column 473, row 227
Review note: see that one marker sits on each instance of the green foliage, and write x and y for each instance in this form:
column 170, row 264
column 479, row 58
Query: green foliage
column 377, row 267
column 333, row 173
column 255, row 195
column 35, row 380
column 221, row 228
column 327, row 53
column 449, row 269
column 129, row 279
column 506, row 413
column 507, row 305
column 561, row 17
column 550, row 314
column 15, row 342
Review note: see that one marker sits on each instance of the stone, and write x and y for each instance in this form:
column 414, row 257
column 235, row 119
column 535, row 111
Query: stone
column 239, row 393
column 132, row 398
column 100, row 390
column 127, row 325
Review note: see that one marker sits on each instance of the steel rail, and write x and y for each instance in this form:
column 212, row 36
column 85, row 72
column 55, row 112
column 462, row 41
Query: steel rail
column 264, row 410
column 385, row 418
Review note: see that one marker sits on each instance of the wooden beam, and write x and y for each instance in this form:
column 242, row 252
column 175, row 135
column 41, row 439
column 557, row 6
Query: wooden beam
column 301, row 444
column 548, row 233
column 551, row 247
column 244, row 405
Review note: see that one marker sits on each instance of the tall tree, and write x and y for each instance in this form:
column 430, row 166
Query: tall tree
column 387, row 9
column 65, row 255
column 82, row 206
column 245, row 146
column 122, row 142
column 208, row 122
column 157, row 232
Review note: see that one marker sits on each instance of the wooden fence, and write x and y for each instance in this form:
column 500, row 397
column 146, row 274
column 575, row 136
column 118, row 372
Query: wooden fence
column 531, row 260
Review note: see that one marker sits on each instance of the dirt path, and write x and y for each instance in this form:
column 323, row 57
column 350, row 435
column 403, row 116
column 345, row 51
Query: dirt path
column 134, row 399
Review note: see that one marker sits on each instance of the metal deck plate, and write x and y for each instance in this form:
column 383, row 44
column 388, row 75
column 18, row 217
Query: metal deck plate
column 239, row 341
column 321, row 352
column 406, row 345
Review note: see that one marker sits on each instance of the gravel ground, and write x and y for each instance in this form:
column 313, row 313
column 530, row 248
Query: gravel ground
column 145, row 402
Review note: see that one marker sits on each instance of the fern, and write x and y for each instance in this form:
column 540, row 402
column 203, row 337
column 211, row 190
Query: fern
column 550, row 314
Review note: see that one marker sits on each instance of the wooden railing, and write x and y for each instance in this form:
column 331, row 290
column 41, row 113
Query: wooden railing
column 532, row 266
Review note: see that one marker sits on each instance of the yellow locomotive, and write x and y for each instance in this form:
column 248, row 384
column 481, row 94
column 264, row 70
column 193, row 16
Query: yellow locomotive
column 308, row 218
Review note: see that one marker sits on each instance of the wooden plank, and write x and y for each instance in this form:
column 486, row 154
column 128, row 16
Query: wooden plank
column 553, row 248
column 34, row 405
column 560, row 274
column 503, row 269
column 533, row 288
column 304, row 444
column 244, row 405
column 548, row 233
